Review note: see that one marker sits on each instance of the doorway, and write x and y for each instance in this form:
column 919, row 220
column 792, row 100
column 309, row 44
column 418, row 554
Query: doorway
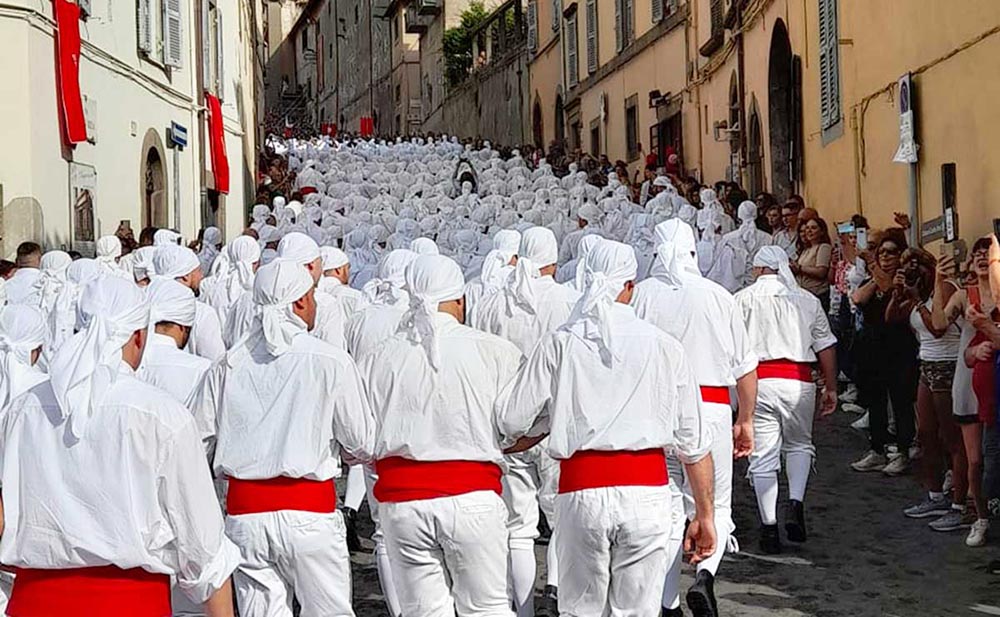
column 780, row 120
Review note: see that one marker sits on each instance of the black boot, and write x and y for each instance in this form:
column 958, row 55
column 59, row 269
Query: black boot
column 701, row 596
column 549, row 606
column 770, row 541
column 350, row 520
column 672, row 612
column 795, row 524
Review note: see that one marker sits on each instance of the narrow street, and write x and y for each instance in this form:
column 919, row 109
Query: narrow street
column 863, row 557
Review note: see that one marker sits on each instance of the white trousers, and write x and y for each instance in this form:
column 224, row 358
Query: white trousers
column 449, row 555
column 612, row 548
column 531, row 481
column 782, row 422
column 675, row 548
column 290, row 554
column 719, row 419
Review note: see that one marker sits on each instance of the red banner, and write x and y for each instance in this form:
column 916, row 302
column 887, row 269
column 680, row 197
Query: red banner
column 367, row 126
column 67, row 15
column 217, row 144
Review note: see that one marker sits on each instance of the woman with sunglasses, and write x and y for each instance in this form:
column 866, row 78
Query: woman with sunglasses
column 886, row 355
column 977, row 299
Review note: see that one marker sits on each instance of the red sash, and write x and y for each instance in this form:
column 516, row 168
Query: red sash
column 255, row 496
column 785, row 369
column 401, row 479
column 601, row 469
column 715, row 394
column 90, row 592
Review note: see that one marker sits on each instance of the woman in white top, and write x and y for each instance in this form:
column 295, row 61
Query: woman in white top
column 937, row 430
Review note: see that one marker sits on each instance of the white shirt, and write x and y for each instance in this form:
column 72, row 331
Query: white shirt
column 373, row 325
column 352, row 299
column 554, row 304
column 783, row 323
column 289, row 415
column 785, row 238
column 21, row 287
column 206, row 333
column 240, row 318
column 647, row 399
column 134, row 492
column 331, row 320
column 932, row 348
column 703, row 316
column 443, row 415
column 175, row 371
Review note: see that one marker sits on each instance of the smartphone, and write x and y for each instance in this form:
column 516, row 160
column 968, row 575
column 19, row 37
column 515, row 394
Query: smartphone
column 996, row 229
column 845, row 228
column 862, row 239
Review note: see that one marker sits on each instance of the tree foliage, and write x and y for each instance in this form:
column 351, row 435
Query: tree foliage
column 458, row 42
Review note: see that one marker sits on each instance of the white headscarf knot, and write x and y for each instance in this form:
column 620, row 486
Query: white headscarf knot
column 23, row 329
column 276, row 287
column 431, row 280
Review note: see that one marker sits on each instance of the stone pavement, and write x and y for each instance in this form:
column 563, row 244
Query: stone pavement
column 863, row 557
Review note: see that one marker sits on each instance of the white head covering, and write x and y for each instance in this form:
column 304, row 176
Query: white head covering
column 276, row 286
column 142, row 265
column 108, row 249
column 587, row 244
column 163, row 237
column 388, row 287
column 424, row 246
column 174, row 261
column 431, row 280
column 538, row 249
column 209, row 248
column 675, row 256
column 111, row 309
column 747, row 212
column 170, row 301
column 333, row 258
column 22, row 330
column 52, row 278
column 608, row 267
column 775, row 258
column 299, row 248
column 507, row 241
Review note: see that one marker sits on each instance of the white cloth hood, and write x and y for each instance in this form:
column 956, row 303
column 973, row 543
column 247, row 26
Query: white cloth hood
column 175, row 261
column 775, row 258
column 170, row 301
column 23, row 329
column 430, row 280
column 276, row 287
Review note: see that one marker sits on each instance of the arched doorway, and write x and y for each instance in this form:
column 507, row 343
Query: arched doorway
column 560, row 119
column 153, row 182
column 538, row 124
column 780, row 120
column 755, row 151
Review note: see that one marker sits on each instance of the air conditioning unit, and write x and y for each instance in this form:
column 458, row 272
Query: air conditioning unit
column 429, row 7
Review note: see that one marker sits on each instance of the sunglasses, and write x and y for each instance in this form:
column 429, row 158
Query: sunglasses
column 889, row 252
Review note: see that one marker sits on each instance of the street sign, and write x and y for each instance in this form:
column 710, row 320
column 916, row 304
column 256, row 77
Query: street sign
column 931, row 230
column 178, row 135
column 907, row 152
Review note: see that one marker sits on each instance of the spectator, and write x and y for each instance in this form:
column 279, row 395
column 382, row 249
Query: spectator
column 812, row 268
column 787, row 236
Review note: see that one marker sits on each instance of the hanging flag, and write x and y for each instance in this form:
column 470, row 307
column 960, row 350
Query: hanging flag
column 217, row 144
column 67, row 16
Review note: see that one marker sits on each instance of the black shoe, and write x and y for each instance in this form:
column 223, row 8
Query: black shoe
column 549, row 605
column 672, row 612
column 795, row 525
column 350, row 521
column 701, row 596
column 770, row 541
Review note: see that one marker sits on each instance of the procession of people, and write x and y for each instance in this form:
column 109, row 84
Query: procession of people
column 488, row 346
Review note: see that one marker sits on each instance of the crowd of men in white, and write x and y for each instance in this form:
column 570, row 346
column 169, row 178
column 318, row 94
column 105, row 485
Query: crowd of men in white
column 471, row 355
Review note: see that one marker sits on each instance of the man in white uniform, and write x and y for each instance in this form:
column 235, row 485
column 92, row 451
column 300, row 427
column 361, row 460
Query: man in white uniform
column 181, row 264
column 165, row 364
column 789, row 331
column 433, row 387
column 109, row 461
column 20, row 287
column 704, row 318
column 281, row 408
column 613, row 392
column 530, row 306
column 331, row 316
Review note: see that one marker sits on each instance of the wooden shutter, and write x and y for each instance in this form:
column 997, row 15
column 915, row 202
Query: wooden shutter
column 144, row 23
column 173, row 48
column 572, row 44
column 829, row 64
column 206, row 44
column 556, row 14
column 629, row 17
column 619, row 25
column 220, row 79
column 717, row 15
column 657, row 11
column 532, row 25
column 591, row 18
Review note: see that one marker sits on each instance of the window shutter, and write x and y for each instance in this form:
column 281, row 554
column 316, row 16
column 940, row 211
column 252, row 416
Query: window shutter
column 206, row 44
column 571, row 50
column 84, row 7
column 671, row 7
column 144, row 22
column 591, row 36
column 220, row 79
column 172, row 43
column 829, row 65
column 657, row 11
column 629, row 26
column 556, row 14
column 717, row 15
column 533, row 25
column 619, row 25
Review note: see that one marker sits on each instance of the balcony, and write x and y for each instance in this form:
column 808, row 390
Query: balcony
column 428, row 7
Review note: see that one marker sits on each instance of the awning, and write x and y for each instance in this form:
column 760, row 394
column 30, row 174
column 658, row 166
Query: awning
column 67, row 15
column 217, row 144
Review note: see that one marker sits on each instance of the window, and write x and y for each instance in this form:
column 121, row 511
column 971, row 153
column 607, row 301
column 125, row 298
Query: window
column 330, row 56
column 663, row 8
column 160, row 31
column 399, row 91
column 595, row 137
column 532, row 25
column 305, row 38
column 572, row 61
column 591, row 17
column 632, row 127
column 624, row 23
column 717, row 16
column 212, row 48
column 556, row 14
column 829, row 64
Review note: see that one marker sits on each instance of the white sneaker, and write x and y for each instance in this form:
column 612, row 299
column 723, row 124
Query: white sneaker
column 898, row 465
column 861, row 424
column 849, row 395
column 977, row 535
column 871, row 461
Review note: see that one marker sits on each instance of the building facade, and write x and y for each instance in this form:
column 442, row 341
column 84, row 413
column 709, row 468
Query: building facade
column 407, row 114
column 143, row 67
